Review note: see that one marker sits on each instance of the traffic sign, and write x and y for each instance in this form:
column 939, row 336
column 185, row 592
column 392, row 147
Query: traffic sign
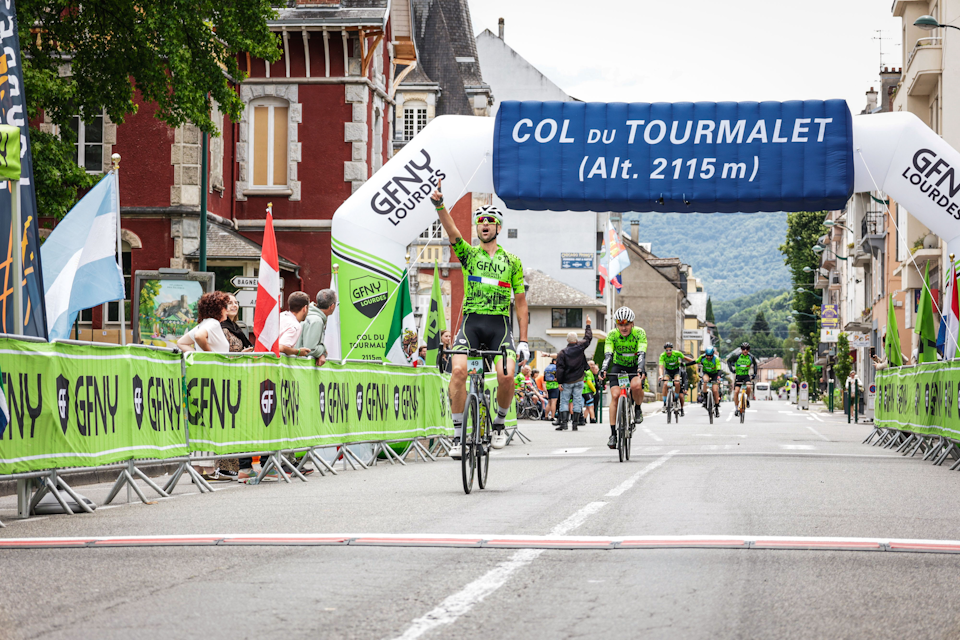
column 247, row 298
column 803, row 385
column 692, row 334
column 240, row 282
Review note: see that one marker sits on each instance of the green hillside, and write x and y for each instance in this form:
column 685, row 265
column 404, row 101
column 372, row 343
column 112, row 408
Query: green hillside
column 733, row 253
column 735, row 320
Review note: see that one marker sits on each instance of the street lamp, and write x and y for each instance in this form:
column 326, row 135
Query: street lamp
column 929, row 23
column 833, row 223
column 818, row 249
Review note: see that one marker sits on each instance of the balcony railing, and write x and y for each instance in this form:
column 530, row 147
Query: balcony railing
column 872, row 224
column 922, row 42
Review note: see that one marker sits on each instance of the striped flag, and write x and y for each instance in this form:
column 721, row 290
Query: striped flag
column 4, row 412
column 951, row 316
column 402, row 339
column 266, row 315
column 614, row 260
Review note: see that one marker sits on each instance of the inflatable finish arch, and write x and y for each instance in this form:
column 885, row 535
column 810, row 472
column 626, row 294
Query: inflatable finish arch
column 673, row 157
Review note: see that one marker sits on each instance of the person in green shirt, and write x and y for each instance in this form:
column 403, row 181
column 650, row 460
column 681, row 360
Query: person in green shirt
column 672, row 368
column 744, row 368
column 624, row 351
column 492, row 277
column 709, row 364
column 589, row 390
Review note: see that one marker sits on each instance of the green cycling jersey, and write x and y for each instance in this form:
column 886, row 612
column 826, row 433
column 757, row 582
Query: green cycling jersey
column 743, row 364
column 710, row 364
column 673, row 361
column 626, row 350
column 488, row 281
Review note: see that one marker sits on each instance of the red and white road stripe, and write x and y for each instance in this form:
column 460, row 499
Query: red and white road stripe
column 796, row 543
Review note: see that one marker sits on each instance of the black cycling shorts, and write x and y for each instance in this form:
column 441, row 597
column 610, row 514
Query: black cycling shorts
column 486, row 333
column 716, row 376
column 616, row 369
column 742, row 379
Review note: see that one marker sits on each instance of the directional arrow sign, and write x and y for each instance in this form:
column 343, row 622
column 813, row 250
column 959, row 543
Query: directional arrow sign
column 247, row 298
column 241, row 282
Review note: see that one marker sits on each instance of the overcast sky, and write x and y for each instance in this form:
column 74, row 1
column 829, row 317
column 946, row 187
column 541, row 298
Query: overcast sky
column 641, row 51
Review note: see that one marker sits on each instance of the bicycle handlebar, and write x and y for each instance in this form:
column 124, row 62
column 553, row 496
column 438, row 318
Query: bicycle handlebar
column 479, row 353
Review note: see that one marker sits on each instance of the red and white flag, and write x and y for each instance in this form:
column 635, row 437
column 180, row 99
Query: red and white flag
column 266, row 316
column 952, row 316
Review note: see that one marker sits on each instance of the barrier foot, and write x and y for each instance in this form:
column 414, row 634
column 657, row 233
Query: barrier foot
column 422, row 452
column 876, row 431
column 318, row 462
column 955, row 465
column 950, row 448
column 934, row 448
column 516, row 432
column 920, row 442
column 174, row 479
column 202, row 485
column 444, row 444
column 127, row 476
column 272, row 463
column 386, row 448
column 293, row 469
column 150, row 483
column 906, row 443
column 351, row 457
column 49, row 486
column 23, row 497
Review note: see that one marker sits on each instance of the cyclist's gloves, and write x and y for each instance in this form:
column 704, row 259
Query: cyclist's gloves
column 641, row 362
column 438, row 202
column 523, row 351
column 607, row 357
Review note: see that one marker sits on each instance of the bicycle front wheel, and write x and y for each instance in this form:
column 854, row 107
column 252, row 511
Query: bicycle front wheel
column 468, row 438
column 623, row 428
column 743, row 406
column 669, row 407
column 628, row 432
column 483, row 453
column 710, row 404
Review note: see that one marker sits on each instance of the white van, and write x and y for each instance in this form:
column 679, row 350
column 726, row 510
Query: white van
column 762, row 391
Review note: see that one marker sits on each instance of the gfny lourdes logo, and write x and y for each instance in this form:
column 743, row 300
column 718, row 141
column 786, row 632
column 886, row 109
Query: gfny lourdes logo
column 138, row 400
column 268, row 401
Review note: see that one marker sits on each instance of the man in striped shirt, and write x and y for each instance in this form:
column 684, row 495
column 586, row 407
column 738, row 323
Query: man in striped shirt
column 491, row 277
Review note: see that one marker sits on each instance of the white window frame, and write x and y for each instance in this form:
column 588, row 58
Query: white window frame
column 270, row 103
column 81, row 143
column 414, row 118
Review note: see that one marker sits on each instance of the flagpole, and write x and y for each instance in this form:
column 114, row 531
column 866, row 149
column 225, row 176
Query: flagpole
column 123, row 320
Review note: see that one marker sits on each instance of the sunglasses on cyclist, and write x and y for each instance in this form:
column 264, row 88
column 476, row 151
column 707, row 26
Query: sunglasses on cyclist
column 623, row 323
column 486, row 220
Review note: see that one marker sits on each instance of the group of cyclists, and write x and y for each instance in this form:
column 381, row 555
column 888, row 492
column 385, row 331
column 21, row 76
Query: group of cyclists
column 492, row 276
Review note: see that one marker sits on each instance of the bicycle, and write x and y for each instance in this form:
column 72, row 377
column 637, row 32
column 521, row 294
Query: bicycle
column 707, row 390
column 528, row 406
column 625, row 416
column 476, row 434
column 742, row 401
column 672, row 402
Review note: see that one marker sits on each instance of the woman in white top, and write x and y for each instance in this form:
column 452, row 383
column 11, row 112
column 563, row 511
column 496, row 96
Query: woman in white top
column 208, row 335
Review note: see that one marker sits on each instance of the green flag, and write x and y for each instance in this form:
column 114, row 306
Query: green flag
column 402, row 339
column 436, row 320
column 925, row 325
column 891, row 342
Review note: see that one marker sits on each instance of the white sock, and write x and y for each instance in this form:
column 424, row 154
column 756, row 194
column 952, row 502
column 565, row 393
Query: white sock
column 458, row 418
column 457, row 424
column 501, row 415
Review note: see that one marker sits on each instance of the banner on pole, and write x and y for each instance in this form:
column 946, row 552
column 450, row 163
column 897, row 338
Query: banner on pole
column 13, row 110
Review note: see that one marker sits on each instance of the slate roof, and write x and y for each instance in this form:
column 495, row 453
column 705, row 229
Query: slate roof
column 348, row 12
column 223, row 243
column 443, row 32
column 544, row 291
column 772, row 363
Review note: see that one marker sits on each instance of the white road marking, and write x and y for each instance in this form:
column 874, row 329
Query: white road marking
column 560, row 452
column 820, row 435
column 797, row 447
column 652, row 435
column 460, row 603
column 717, row 447
column 816, row 417
column 729, row 417
column 789, row 413
column 632, row 480
column 718, row 435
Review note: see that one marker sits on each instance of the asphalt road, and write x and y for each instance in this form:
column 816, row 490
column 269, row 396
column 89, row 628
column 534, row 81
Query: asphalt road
column 797, row 475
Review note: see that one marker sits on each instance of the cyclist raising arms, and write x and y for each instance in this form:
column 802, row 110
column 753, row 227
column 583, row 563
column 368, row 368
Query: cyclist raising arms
column 710, row 366
column 672, row 370
column 741, row 365
column 490, row 274
column 627, row 349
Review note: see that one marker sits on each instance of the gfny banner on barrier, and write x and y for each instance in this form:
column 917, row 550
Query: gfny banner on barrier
column 239, row 404
column 923, row 399
column 85, row 406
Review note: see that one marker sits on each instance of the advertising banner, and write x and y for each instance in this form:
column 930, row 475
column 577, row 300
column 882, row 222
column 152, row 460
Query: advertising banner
column 576, row 260
column 80, row 406
column 829, row 317
column 923, row 399
column 237, row 404
column 685, row 156
column 13, row 111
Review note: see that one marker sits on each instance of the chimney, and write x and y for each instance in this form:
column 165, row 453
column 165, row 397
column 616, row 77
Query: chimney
column 871, row 100
column 635, row 231
column 501, row 28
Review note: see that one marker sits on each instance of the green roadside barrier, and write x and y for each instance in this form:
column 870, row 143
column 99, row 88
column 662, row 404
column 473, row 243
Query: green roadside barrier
column 923, row 399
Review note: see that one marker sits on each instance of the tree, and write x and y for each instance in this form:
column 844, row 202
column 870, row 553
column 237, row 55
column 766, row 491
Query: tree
column 804, row 229
column 760, row 324
column 709, row 316
column 844, row 362
column 182, row 57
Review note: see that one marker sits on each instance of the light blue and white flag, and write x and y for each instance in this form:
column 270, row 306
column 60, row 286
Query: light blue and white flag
column 79, row 259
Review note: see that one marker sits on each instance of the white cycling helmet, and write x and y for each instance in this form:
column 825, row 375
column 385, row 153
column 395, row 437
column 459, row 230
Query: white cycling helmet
column 488, row 210
column 623, row 314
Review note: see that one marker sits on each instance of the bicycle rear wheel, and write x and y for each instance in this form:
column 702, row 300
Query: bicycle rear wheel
column 710, row 404
column 742, row 403
column 483, row 454
column 669, row 406
column 468, row 453
column 628, row 431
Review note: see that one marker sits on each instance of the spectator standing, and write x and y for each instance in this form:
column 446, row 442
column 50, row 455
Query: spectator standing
column 208, row 335
column 421, row 358
column 443, row 360
column 552, row 388
column 571, row 364
column 235, row 336
column 589, row 389
column 315, row 324
column 290, row 327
